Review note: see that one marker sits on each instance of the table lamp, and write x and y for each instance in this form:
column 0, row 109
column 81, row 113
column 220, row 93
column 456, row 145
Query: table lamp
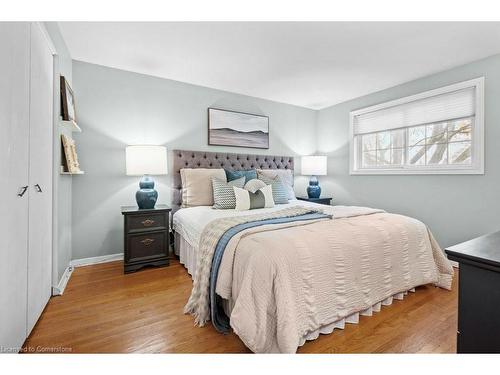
column 145, row 160
column 313, row 166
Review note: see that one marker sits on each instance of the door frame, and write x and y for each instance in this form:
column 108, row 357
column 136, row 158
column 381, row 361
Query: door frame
column 55, row 148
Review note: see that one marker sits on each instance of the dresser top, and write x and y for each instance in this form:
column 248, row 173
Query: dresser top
column 135, row 209
column 484, row 249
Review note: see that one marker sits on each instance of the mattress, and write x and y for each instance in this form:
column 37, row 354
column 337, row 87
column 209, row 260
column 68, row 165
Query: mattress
column 190, row 222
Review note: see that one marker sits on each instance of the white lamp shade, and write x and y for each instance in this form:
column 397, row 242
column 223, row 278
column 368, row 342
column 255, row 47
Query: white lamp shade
column 141, row 160
column 313, row 165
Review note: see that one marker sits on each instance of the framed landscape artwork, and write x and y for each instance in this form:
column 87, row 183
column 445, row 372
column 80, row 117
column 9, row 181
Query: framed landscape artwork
column 238, row 129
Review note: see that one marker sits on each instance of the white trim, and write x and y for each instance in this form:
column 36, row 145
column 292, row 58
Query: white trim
column 477, row 139
column 47, row 38
column 96, row 260
column 56, row 146
column 411, row 171
column 59, row 289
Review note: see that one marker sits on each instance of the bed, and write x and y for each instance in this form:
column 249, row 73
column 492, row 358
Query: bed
column 294, row 271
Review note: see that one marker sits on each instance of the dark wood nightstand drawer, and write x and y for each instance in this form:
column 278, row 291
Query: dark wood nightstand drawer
column 146, row 222
column 143, row 247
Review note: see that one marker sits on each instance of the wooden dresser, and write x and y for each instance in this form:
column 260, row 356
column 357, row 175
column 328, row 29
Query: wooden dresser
column 479, row 294
column 146, row 237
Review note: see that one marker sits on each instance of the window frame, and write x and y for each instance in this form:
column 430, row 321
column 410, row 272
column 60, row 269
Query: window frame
column 477, row 136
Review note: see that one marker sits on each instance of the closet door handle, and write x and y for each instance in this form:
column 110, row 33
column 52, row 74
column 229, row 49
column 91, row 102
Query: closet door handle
column 22, row 191
column 38, row 188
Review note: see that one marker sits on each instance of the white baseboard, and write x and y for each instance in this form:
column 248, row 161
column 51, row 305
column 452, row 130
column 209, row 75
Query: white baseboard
column 96, row 260
column 59, row 289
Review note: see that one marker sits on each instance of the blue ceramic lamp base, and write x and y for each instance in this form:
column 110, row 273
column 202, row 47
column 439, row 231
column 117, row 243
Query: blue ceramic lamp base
column 146, row 196
column 313, row 190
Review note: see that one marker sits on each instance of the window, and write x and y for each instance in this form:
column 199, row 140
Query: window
column 439, row 131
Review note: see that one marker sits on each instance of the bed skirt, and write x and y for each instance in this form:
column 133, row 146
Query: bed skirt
column 353, row 318
column 187, row 254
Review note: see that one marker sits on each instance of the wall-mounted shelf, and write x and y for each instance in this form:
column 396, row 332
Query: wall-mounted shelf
column 69, row 173
column 70, row 125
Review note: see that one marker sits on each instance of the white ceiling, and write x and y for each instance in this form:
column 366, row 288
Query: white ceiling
column 313, row 65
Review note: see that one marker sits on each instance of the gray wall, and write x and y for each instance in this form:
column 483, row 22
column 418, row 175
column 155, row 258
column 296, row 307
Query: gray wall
column 455, row 207
column 62, row 184
column 116, row 108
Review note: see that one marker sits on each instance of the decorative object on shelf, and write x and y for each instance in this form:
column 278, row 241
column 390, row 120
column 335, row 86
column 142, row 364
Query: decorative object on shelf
column 314, row 165
column 238, row 129
column 146, row 160
column 67, row 101
column 70, row 157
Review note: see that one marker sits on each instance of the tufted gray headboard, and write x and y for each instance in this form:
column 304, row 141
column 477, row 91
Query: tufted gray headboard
column 206, row 159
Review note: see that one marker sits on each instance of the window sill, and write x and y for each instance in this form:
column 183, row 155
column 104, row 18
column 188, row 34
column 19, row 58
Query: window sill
column 409, row 171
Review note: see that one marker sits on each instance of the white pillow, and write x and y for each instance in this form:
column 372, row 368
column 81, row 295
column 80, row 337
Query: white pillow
column 197, row 185
column 246, row 200
column 254, row 185
column 285, row 175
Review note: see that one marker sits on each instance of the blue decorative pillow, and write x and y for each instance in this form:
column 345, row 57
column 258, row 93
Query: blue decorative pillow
column 249, row 174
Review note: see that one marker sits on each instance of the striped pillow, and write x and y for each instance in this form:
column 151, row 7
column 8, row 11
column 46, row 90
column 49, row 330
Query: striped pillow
column 280, row 194
column 224, row 197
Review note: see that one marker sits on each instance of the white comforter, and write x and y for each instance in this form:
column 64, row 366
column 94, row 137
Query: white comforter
column 288, row 281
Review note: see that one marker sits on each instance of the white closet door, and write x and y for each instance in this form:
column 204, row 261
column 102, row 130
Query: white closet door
column 40, row 177
column 14, row 136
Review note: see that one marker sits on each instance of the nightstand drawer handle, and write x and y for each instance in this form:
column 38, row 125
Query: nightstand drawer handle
column 148, row 222
column 148, row 241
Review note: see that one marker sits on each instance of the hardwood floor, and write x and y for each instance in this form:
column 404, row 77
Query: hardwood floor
column 105, row 311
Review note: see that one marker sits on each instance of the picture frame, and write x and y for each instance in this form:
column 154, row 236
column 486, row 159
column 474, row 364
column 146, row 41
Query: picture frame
column 237, row 129
column 70, row 157
column 68, row 112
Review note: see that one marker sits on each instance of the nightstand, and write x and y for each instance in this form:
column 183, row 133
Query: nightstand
column 326, row 201
column 146, row 237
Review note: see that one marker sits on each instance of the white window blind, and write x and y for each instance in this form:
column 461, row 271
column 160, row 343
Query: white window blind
column 438, row 108
column 438, row 131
